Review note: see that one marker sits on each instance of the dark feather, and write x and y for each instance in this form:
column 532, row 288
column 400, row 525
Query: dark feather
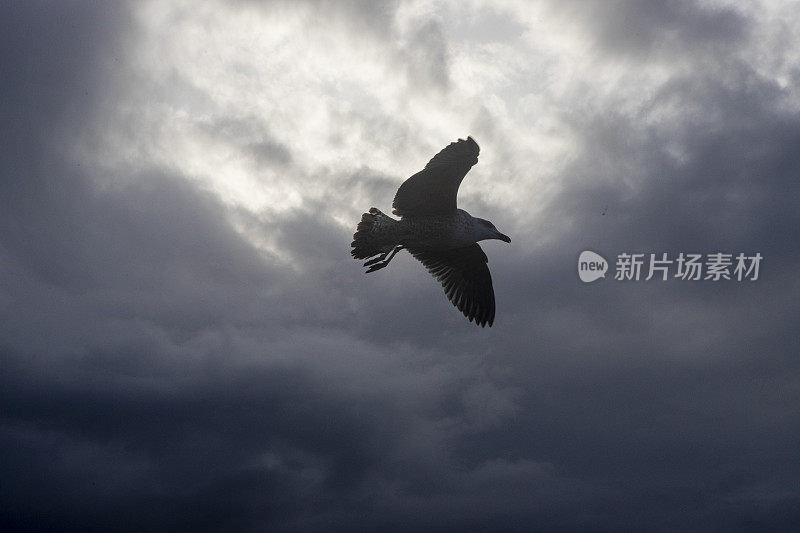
column 433, row 190
column 465, row 277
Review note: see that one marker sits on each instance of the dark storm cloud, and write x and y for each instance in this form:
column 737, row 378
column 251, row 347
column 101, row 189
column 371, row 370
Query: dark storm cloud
column 49, row 62
column 123, row 309
column 159, row 372
column 729, row 184
column 661, row 398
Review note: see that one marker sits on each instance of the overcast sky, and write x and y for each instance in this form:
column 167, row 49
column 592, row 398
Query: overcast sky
column 186, row 343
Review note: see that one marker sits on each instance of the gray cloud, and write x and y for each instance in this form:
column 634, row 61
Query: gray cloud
column 421, row 54
column 650, row 30
column 252, row 137
column 426, row 57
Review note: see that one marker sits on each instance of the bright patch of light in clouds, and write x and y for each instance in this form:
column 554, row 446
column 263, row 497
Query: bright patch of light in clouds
column 275, row 106
column 331, row 94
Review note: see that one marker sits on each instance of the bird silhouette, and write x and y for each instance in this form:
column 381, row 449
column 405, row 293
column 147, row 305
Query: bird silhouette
column 438, row 234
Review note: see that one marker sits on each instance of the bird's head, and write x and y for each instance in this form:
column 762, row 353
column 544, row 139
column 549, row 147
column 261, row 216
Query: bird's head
column 486, row 230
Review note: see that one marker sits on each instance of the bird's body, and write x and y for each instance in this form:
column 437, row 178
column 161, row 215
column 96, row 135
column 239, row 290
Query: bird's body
column 437, row 233
column 431, row 232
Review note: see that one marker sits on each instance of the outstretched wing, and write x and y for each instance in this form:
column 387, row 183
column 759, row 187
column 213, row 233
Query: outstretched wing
column 433, row 190
column 466, row 279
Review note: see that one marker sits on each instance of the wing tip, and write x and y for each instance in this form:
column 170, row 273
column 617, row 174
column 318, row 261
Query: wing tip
column 472, row 141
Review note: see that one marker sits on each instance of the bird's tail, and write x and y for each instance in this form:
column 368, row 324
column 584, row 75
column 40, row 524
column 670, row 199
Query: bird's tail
column 377, row 233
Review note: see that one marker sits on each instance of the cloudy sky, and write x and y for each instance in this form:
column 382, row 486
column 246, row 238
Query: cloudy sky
column 186, row 344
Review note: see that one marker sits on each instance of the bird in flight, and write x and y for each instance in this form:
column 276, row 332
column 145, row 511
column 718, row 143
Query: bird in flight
column 441, row 236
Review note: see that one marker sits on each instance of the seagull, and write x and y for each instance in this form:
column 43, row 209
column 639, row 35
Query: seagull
column 435, row 232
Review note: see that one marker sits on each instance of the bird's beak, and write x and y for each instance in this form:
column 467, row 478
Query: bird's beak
column 502, row 237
